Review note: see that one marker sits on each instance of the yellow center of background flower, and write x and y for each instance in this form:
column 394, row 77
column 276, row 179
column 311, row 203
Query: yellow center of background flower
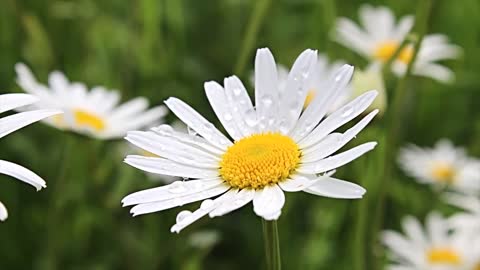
column 385, row 51
column 87, row 119
column 443, row 172
column 477, row 267
column 309, row 98
column 443, row 256
column 259, row 160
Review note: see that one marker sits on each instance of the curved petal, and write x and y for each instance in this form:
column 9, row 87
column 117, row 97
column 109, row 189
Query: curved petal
column 169, row 167
column 268, row 202
column 218, row 100
column 12, row 101
column 129, row 108
column 297, row 183
column 336, row 161
column 17, row 121
column 335, row 188
column 3, row 212
column 22, row 174
column 266, row 90
column 238, row 200
column 243, row 112
column 198, row 123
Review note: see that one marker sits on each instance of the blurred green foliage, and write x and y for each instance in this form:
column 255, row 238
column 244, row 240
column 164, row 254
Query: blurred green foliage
column 162, row 48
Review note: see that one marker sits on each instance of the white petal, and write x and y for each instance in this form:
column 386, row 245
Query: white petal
column 186, row 218
column 334, row 141
column 172, row 149
column 435, row 71
column 336, row 161
column 3, row 212
column 12, row 101
column 437, row 228
column 243, row 112
column 403, row 27
column 239, row 199
column 335, row 120
column 58, row 82
column 147, row 208
column 27, row 81
column 335, row 188
column 218, row 100
column 130, row 108
column 292, row 96
column 144, row 119
column 168, row 167
column 22, row 174
column 266, row 90
column 17, row 121
column 268, row 202
column 297, row 183
column 317, row 109
column 171, row 191
column 400, row 246
column 350, row 35
column 414, row 231
column 198, row 123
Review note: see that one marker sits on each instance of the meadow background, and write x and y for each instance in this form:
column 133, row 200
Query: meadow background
column 162, row 48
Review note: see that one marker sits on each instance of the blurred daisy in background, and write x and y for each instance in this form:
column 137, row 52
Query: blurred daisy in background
column 380, row 36
column 275, row 148
column 12, row 123
column 470, row 219
column 95, row 113
column 435, row 248
column 443, row 166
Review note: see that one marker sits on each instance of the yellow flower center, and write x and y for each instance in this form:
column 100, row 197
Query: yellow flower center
column 443, row 172
column 259, row 160
column 477, row 267
column 443, row 256
column 309, row 98
column 385, row 51
column 87, row 119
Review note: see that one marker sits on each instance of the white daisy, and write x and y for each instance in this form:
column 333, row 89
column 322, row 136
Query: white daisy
column 470, row 219
column 443, row 165
column 381, row 36
column 12, row 123
column 95, row 113
column 436, row 248
column 275, row 146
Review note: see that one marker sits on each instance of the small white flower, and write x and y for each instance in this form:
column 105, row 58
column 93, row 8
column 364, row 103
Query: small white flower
column 443, row 165
column 435, row 248
column 12, row 123
column 95, row 113
column 381, row 36
column 277, row 146
column 470, row 219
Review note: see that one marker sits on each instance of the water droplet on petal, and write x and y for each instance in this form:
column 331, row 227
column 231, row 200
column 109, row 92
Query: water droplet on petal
column 237, row 91
column 177, row 187
column 206, row 204
column 251, row 118
column 228, row 116
column 347, row 111
column 182, row 215
column 267, row 100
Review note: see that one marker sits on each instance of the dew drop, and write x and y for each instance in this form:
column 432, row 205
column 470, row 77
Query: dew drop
column 177, row 187
column 206, row 204
column 183, row 215
column 347, row 111
column 267, row 100
column 251, row 118
column 228, row 116
column 237, row 91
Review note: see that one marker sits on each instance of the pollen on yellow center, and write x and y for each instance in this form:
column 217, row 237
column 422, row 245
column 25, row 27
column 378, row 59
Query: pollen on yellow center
column 309, row 98
column 443, row 256
column 385, row 51
column 443, row 172
column 87, row 119
column 259, row 160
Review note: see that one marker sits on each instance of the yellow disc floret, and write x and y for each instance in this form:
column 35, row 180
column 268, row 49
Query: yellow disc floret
column 87, row 119
column 385, row 50
column 443, row 256
column 443, row 172
column 259, row 160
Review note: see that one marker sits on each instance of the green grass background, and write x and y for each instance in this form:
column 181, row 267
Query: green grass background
column 162, row 48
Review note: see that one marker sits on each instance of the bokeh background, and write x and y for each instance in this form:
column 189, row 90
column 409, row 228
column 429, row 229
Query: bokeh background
column 162, row 48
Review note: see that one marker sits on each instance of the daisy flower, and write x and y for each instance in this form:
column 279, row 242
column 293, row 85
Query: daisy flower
column 12, row 123
column 274, row 147
column 379, row 37
column 95, row 113
column 470, row 219
column 443, row 165
column 435, row 248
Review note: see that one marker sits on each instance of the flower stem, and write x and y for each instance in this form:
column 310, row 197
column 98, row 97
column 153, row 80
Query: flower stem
column 272, row 244
column 259, row 11
column 394, row 121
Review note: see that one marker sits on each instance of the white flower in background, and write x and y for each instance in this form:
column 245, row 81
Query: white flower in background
column 12, row 123
column 443, row 165
column 435, row 248
column 95, row 113
column 371, row 78
column 381, row 36
column 275, row 148
column 470, row 219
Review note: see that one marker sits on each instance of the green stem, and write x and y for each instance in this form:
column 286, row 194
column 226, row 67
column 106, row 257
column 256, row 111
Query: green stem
column 260, row 9
column 394, row 122
column 272, row 244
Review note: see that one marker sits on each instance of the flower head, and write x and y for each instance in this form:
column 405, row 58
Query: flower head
column 380, row 36
column 95, row 113
column 12, row 123
column 277, row 145
column 443, row 165
column 434, row 248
